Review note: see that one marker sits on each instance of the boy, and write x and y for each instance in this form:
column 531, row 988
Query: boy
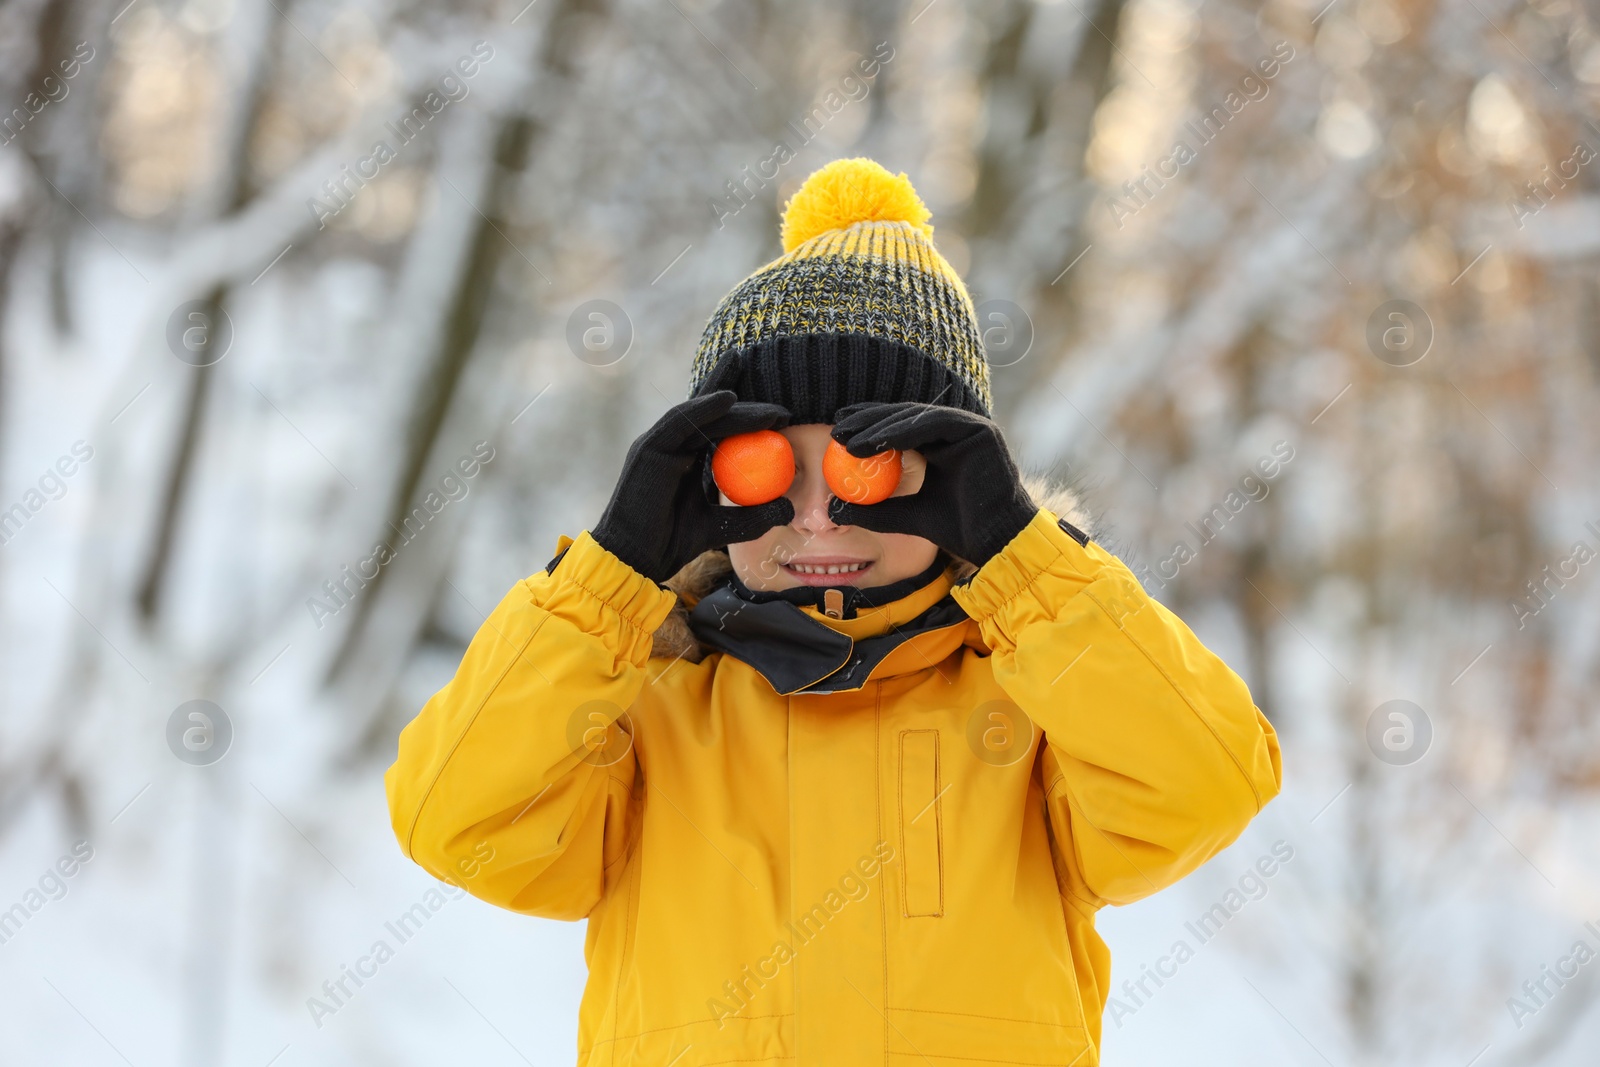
column 852, row 786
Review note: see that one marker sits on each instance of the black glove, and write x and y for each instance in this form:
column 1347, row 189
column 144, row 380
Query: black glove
column 664, row 511
column 971, row 503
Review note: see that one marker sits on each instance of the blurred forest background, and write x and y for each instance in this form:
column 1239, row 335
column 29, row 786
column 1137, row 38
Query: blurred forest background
column 241, row 344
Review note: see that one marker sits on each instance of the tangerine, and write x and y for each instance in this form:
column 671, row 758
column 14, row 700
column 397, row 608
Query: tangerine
column 860, row 480
column 753, row 468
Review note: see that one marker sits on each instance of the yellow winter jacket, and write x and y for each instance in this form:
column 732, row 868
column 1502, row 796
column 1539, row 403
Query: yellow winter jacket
column 903, row 868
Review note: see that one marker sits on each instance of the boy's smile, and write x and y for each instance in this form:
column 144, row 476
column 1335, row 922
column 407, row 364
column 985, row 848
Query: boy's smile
column 825, row 571
column 814, row 550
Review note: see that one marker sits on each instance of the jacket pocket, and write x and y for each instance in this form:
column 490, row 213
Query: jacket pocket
column 921, row 828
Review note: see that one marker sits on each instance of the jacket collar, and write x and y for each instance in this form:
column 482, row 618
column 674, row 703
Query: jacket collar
column 799, row 648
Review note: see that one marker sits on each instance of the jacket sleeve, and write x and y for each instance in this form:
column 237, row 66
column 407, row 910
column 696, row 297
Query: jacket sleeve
column 1155, row 758
column 513, row 781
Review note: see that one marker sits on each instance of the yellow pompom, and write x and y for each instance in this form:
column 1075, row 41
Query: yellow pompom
column 848, row 191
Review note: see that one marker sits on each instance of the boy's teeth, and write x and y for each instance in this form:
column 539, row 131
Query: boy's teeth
column 836, row 568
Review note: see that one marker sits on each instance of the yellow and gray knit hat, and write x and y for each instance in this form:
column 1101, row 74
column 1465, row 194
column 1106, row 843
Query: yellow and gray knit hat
column 860, row 307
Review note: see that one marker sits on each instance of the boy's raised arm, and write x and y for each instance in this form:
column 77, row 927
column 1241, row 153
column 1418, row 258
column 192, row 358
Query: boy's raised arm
column 513, row 782
column 508, row 783
column 1156, row 757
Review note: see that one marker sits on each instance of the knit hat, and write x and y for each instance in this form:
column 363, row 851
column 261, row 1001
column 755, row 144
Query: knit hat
column 860, row 307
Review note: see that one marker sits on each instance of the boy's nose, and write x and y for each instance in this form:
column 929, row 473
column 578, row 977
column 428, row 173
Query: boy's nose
column 810, row 496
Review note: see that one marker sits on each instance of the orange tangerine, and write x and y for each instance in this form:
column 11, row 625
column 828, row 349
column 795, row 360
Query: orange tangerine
column 753, row 468
column 860, row 480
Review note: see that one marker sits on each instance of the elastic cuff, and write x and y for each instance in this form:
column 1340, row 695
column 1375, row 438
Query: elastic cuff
column 640, row 602
column 1043, row 545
